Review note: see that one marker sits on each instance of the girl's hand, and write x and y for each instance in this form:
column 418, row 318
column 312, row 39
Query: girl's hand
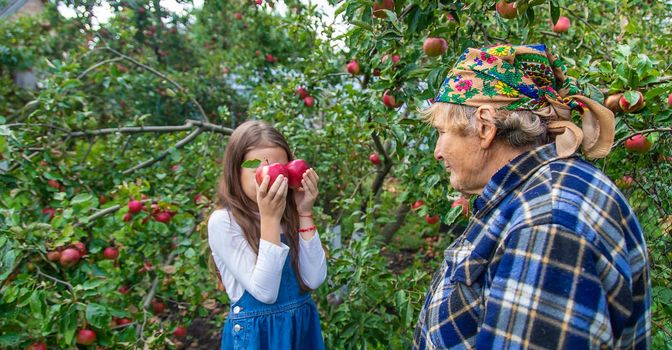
column 306, row 195
column 272, row 201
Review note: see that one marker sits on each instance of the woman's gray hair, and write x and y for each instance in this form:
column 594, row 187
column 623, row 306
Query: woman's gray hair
column 517, row 128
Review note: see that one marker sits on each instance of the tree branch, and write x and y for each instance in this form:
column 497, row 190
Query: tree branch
column 643, row 132
column 390, row 229
column 163, row 155
column 72, row 290
column 190, row 124
column 102, row 63
column 382, row 172
column 162, row 76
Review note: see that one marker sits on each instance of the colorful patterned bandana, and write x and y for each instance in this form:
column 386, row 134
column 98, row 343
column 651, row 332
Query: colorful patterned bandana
column 530, row 78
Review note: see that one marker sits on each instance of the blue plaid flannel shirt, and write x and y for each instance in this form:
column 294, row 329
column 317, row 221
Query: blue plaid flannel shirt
column 553, row 258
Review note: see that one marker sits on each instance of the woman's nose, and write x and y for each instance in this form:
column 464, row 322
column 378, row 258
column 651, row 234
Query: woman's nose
column 437, row 152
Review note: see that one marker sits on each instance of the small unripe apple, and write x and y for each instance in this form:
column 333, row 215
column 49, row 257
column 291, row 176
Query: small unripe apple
column 380, row 5
column 433, row 219
column 111, row 253
column 86, row 337
column 374, row 159
column 134, row 206
column 612, row 102
column 158, row 307
column 69, row 257
column 638, row 144
column 506, row 10
column 302, row 92
column 435, row 46
column 273, row 170
column 562, row 25
column 295, row 170
column 625, row 105
column 353, row 67
column 180, row 331
column 417, row 204
column 309, row 101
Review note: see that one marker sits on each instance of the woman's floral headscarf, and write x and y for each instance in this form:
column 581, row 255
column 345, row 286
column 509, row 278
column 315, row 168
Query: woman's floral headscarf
column 531, row 78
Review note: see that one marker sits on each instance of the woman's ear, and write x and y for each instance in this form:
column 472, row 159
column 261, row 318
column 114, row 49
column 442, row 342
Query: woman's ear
column 485, row 125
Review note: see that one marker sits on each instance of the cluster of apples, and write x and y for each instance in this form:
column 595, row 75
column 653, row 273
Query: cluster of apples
column 69, row 255
column 161, row 215
column 462, row 202
column 303, row 93
column 293, row 171
column 509, row 10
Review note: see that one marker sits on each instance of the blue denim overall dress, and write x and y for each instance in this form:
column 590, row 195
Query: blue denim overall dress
column 292, row 322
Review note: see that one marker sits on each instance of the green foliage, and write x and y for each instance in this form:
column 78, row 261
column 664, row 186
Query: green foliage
column 149, row 67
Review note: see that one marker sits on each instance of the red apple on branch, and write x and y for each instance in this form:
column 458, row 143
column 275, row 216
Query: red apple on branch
column 49, row 211
column 374, row 158
column 612, row 102
column 380, row 5
column 86, row 337
column 158, row 307
column 180, row 332
column 134, row 206
column 638, row 144
column 353, row 67
column 69, row 257
column 435, row 46
column 295, row 170
column 37, row 346
column 431, row 219
column 464, row 203
column 309, row 101
column 562, row 25
column 632, row 108
column 417, row 204
column 302, row 92
column 111, row 253
column 506, row 10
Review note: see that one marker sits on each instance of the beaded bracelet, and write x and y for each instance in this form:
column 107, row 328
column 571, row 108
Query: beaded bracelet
column 308, row 229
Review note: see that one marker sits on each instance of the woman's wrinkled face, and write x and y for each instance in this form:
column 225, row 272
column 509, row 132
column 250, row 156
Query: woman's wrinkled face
column 267, row 155
column 461, row 156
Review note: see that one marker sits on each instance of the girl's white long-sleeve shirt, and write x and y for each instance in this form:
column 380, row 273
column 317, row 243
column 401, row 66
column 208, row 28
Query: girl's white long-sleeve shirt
column 242, row 270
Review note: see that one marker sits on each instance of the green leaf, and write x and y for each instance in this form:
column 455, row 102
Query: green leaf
column 251, row 163
column 69, row 324
column 555, row 11
column 98, row 315
column 632, row 97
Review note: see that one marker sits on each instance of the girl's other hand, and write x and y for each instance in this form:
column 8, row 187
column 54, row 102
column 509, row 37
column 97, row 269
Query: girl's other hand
column 306, row 195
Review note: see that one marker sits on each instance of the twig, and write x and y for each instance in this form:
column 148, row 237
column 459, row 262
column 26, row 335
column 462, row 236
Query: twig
column 643, row 132
column 72, row 290
column 101, row 213
column 190, row 124
column 88, row 70
column 163, row 76
column 163, row 155
column 382, row 172
column 662, row 328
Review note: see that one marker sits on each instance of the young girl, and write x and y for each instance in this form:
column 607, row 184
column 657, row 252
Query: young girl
column 266, row 247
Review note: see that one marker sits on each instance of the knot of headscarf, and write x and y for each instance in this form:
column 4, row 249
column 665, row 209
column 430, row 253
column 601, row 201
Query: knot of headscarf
column 531, row 78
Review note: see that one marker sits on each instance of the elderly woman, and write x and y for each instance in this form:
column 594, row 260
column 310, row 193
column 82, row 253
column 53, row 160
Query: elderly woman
column 553, row 256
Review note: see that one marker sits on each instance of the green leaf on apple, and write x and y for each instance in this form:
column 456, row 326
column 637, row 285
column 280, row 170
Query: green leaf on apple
column 632, row 97
column 251, row 163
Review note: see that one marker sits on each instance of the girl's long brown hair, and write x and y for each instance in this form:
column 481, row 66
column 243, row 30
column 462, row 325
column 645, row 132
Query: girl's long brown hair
column 230, row 193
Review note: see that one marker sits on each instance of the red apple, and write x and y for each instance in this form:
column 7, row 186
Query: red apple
column 163, row 216
column 54, row 256
column 49, row 211
column 270, row 58
column 376, row 72
column 102, row 199
column 257, row 53
column 54, row 184
column 431, row 219
column 435, row 46
column 506, row 10
column 625, row 105
column 353, row 67
column 37, row 346
column 638, row 144
column 123, row 321
column 562, row 25
column 389, row 101
column 238, row 15
column 180, row 331
column 128, row 217
column 612, row 102
column 86, row 337
column 380, row 5
column 134, row 206
column 464, row 203
column 669, row 100
column 417, row 204
column 123, row 289
column 111, row 253
column 309, row 101
column 396, row 59
column 274, row 170
column 374, row 158
column 158, row 307
column 259, row 2
column 80, row 247
column 146, row 266
column 295, row 170
column 302, row 92
column 69, row 257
